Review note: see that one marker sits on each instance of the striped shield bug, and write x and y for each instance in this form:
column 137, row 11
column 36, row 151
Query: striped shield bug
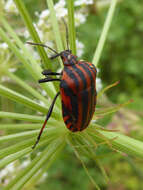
column 77, row 90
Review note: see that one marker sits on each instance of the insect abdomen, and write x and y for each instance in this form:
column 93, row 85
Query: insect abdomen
column 78, row 94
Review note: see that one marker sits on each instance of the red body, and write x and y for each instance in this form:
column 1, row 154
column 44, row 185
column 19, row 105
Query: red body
column 78, row 93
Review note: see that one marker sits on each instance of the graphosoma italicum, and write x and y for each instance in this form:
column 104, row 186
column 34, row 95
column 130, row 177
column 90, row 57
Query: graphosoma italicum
column 77, row 90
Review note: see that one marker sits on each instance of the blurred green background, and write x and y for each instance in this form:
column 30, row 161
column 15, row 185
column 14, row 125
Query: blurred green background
column 121, row 60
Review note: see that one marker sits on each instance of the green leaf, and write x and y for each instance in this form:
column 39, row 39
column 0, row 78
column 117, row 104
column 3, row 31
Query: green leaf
column 6, row 92
column 121, row 142
column 24, row 117
column 71, row 24
column 14, row 156
column 104, row 33
column 55, row 27
column 29, row 89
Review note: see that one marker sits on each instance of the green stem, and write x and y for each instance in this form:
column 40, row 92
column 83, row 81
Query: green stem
column 71, row 24
column 31, row 90
column 21, row 135
column 18, row 154
column 45, row 167
column 50, row 131
column 8, row 151
column 104, row 33
column 121, row 142
column 14, row 156
column 27, row 126
column 55, row 26
column 20, row 127
column 24, row 117
column 10, row 94
column 24, row 100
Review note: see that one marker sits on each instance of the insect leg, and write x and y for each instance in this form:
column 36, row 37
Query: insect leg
column 48, row 80
column 45, row 122
column 48, row 72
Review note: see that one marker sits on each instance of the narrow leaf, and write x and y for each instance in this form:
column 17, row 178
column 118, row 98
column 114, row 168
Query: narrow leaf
column 15, row 96
column 121, row 142
column 71, row 24
column 104, row 33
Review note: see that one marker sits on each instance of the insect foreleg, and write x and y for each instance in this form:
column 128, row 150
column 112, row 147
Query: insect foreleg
column 48, row 72
column 48, row 80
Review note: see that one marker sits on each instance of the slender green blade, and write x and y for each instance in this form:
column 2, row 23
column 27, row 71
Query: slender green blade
column 104, row 33
column 71, row 24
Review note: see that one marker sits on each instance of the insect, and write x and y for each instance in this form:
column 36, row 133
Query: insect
column 77, row 90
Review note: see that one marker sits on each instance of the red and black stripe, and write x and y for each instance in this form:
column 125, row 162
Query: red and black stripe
column 78, row 95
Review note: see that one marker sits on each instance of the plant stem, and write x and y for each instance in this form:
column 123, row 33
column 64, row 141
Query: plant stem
column 55, row 26
column 71, row 24
column 121, row 142
column 28, row 88
column 104, row 33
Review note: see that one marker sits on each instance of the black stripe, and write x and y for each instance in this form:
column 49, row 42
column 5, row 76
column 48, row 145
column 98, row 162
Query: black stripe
column 81, row 75
column 93, row 68
column 72, row 76
column 64, row 109
column 74, row 102
column 94, row 93
column 84, row 95
column 84, row 65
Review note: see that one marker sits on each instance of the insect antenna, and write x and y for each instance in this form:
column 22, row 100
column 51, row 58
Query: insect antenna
column 43, row 45
column 67, row 34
